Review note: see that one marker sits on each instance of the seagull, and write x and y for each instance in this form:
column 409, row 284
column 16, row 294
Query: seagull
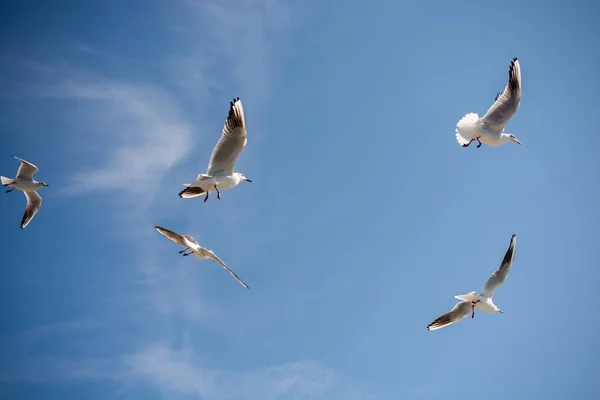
column 489, row 129
column 198, row 251
column 219, row 174
column 483, row 300
column 25, row 182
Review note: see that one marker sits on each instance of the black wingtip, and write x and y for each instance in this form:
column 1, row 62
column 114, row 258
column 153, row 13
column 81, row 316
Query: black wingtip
column 513, row 235
column 231, row 103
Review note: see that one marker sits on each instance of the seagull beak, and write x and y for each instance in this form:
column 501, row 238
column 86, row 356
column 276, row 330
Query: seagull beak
column 501, row 311
column 248, row 180
column 517, row 140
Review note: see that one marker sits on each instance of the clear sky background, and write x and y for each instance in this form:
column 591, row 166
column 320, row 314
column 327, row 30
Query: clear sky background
column 364, row 219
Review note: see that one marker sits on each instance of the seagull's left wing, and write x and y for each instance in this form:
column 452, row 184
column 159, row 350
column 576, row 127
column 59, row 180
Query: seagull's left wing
column 458, row 312
column 499, row 276
column 506, row 104
column 26, row 169
column 232, row 142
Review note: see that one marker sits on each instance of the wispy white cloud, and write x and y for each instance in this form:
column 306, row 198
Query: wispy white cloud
column 179, row 372
column 138, row 129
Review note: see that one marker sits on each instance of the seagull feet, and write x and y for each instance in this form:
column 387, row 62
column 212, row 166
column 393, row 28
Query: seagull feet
column 186, row 254
column 206, row 197
column 184, row 250
column 479, row 145
column 9, row 190
column 473, row 308
column 218, row 193
column 467, row 144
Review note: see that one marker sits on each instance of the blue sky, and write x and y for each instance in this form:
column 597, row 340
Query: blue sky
column 364, row 218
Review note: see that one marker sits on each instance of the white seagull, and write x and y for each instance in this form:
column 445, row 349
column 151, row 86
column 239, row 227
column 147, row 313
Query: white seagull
column 25, row 182
column 219, row 174
column 483, row 300
column 489, row 129
column 198, row 251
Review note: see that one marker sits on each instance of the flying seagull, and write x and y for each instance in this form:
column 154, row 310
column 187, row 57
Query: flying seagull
column 483, row 300
column 220, row 175
column 198, row 251
column 25, row 182
column 489, row 129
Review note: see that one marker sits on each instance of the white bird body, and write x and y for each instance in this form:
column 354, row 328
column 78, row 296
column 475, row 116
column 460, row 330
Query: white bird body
column 482, row 301
column 197, row 250
column 489, row 129
column 24, row 185
column 470, row 126
column 220, row 175
column 24, row 182
column 223, row 182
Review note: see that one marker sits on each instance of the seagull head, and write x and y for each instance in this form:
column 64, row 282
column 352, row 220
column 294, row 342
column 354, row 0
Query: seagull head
column 243, row 177
column 513, row 138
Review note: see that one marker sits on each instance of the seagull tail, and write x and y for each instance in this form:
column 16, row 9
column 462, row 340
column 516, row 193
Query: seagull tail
column 7, row 181
column 464, row 128
column 191, row 192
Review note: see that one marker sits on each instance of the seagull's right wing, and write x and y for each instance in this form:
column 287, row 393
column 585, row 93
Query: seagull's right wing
column 26, row 169
column 34, row 202
column 499, row 276
column 458, row 312
column 232, row 142
column 172, row 236
column 214, row 257
column 507, row 103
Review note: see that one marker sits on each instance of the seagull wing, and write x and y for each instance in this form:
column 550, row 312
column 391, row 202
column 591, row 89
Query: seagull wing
column 458, row 312
column 210, row 254
column 34, row 202
column 232, row 142
column 507, row 103
column 499, row 276
column 26, row 169
column 172, row 236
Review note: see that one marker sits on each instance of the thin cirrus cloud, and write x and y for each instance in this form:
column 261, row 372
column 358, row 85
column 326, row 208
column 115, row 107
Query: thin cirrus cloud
column 178, row 372
column 147, row 134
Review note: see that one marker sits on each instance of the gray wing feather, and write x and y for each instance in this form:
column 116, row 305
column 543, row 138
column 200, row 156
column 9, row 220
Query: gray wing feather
column 172, row 236
column 458, row 312
column 232, row 142
column 26, row 169
column 214, row 257
column 507, row 103
column 34, row 202
column 499, row 276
